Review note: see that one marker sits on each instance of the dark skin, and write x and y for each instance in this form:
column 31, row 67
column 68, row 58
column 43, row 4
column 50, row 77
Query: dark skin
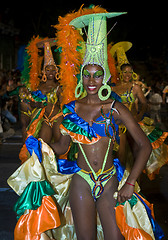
column 127, row 84
column 46, row 132
column 120, row 88
column 82, row 203
column 24, row 107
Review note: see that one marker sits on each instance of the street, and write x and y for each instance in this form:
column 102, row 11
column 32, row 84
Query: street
column 9, row 162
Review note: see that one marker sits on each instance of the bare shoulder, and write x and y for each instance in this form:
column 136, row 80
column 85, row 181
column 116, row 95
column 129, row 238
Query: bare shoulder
column 121, row 113
column 80, row 103
column 120, row 107
column 137, row 87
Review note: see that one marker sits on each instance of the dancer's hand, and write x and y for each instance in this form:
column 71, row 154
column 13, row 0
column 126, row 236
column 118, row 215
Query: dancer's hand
column 125, row 193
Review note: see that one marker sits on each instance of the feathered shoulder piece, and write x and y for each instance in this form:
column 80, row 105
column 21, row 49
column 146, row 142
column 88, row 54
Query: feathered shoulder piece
column 32, row 65
column 70, row 41
column 112, row 65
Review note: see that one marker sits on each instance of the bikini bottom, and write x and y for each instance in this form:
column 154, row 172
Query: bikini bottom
column 98, row 182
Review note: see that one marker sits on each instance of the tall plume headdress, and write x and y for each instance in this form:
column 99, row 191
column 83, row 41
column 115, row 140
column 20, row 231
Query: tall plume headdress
column 119, row 50
column 70, row 43
column 96, row 46
column 33, row 61
column 48, row 56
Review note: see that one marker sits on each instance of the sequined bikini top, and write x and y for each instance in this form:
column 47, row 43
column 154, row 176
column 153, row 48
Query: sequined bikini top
column 52, row 95
column 80, row 130
column 37, row 96
column 128, row 97
column 25, row 96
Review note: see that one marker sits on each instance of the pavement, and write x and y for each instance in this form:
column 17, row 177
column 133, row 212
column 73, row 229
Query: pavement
column 9, row 162
column 155, row 191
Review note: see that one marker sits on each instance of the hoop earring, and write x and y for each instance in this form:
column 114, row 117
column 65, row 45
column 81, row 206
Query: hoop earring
column 108, row 88
column 121, row 76
column 134, row 76
column 80, row 88
column 57, row 74
column 44, row 78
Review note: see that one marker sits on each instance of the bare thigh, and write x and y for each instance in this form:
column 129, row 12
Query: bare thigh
column 45, row 133
column 83, row 209
column 105, row 207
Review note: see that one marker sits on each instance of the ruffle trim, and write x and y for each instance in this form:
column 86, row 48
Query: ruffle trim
column 32, row 197
column 157, row 159
column 157, row 143
column 34, row 222
column 135, row 219
column 78, row 137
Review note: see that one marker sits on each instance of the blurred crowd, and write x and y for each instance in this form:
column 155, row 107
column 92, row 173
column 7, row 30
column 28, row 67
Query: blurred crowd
column 10, row 83
column 9, row 102
column 158, row 103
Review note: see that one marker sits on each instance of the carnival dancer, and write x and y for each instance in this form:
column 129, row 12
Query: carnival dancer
column 91, row 183
column 40, row 98
column 145, row 89
column 126, row 87
column 40, row 110
column 129, row 90
column 92, row 123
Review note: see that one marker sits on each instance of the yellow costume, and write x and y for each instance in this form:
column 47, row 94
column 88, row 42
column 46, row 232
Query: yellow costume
column 159, row 155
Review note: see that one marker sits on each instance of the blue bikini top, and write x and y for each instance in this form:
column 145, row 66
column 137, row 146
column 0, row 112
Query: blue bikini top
column 104, row 126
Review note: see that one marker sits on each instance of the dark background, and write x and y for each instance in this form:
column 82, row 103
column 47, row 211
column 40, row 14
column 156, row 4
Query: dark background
column 145, row 25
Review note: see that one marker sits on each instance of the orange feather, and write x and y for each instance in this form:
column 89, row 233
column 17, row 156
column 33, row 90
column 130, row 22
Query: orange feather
column 69, row 39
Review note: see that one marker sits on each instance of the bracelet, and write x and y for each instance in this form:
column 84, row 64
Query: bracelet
column 133, row 185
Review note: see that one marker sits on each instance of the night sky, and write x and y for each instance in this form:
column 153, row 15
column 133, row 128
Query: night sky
column 144, row 25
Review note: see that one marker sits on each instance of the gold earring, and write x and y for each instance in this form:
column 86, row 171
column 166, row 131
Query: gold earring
column 44, row 78
column 134, row 76
column 57, row 74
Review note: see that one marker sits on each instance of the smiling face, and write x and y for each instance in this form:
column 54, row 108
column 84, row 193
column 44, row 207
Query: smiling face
column 127, row 73
column 92, row 78
column 50, row 72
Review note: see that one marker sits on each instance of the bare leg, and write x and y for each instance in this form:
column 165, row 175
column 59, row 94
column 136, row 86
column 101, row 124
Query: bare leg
column 45, row 133
column 105, row 206
column 83, row 209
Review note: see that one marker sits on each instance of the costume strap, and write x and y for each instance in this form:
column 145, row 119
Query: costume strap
column 112, row 104
column 112, row 107
column 104, row 162
column 51, row 121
